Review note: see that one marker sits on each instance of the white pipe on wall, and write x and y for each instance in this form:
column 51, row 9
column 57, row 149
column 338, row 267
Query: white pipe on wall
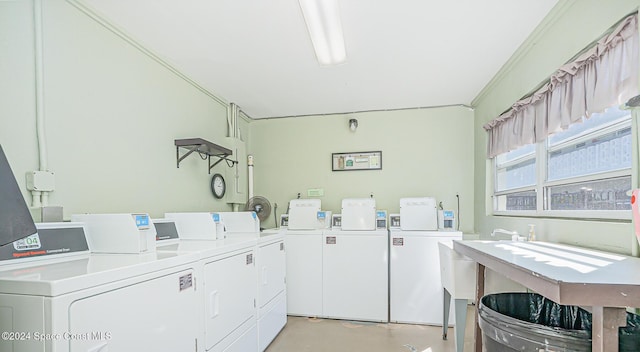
column 250, row 175
column 45, row 199
column 236, row 122
column 233, row 120
column 40, row 115
column 229, row 118
column 35, row 199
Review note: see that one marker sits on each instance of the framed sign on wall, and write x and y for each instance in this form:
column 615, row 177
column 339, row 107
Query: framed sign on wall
column 356, row 161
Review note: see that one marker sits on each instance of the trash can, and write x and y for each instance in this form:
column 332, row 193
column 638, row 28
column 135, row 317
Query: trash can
column 530, row 322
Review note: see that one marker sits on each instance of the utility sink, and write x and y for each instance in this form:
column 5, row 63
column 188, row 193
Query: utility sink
column 458, row 275
column 457, row 272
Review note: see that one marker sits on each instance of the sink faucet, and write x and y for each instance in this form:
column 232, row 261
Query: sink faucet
column 506, row 232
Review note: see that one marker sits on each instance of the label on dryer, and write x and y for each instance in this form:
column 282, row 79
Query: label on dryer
column 28, row 243
column 331, row 240
column 249, row 258
column 186, row 281
column 397, row 241
column 46, row 242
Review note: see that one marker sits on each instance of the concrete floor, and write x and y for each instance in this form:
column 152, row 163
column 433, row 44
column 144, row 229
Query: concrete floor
column 322, row 335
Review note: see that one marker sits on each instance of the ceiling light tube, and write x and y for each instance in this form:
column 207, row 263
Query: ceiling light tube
column 325, row 29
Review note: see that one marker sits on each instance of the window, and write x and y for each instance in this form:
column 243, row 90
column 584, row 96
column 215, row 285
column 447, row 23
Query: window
column 583, row 171
column 516, row 179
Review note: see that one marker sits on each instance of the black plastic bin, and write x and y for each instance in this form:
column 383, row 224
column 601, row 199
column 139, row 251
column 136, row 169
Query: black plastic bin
column 530, row 322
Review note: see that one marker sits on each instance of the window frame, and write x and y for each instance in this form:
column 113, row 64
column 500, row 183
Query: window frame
column 542, row 185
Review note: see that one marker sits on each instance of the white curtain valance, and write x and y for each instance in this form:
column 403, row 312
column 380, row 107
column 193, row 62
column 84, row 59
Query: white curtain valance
column 604, row 75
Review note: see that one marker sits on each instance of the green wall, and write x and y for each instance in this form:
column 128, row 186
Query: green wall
column 570, row 28
column 112, row 113
column 17, row 88
column 425, row 152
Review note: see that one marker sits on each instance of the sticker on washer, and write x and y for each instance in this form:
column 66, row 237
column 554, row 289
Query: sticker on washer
column 398, row 241
column 28, row 243
column 186, row 281
column 281, row 246
column 249, row 258
column 331, row 239
column 45, row 242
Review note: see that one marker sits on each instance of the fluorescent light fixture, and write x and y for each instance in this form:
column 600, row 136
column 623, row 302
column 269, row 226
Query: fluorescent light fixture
column 325, row 29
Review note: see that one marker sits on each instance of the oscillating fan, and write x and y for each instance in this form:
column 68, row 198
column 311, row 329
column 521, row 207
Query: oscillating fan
column 261, row 206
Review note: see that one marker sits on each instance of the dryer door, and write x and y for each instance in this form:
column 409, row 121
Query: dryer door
column 159, row 314
column 230, row 294
column 271, row 272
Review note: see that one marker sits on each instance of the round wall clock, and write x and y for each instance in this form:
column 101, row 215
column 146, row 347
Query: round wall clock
column 218, row 186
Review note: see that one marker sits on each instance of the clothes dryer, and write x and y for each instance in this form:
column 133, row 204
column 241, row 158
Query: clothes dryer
column 57, row 297
column 228, row 269
column 270, row 262
column 272, row 290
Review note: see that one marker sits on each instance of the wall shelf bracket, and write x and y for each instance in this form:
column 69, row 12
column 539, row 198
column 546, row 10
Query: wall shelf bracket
column 205, row 149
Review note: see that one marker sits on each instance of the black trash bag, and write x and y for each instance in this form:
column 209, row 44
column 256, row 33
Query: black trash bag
column 536, row 309
column 530, row 322
column 630, row 334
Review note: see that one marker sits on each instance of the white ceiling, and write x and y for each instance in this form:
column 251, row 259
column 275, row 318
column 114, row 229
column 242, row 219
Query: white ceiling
column 400, row 53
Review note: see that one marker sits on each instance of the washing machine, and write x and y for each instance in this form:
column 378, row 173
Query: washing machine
column 303, row 239
column 415, row 288
column 227, row 264
column 56, row 296
column 272, row 290
column 355, row 263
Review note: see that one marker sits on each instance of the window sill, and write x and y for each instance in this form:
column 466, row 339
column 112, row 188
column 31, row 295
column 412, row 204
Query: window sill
column 608, row 216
